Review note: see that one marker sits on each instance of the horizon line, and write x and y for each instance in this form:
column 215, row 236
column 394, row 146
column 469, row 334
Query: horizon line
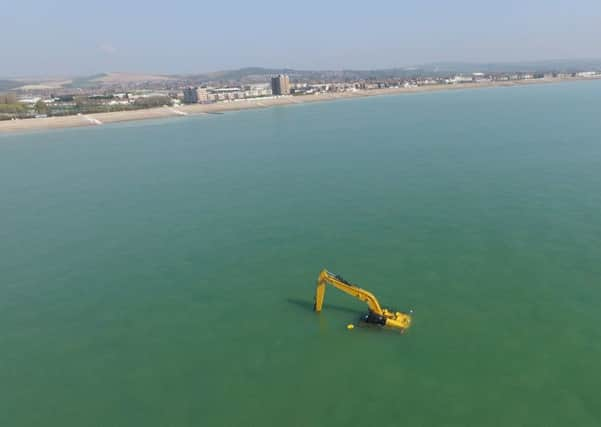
column 301, row 69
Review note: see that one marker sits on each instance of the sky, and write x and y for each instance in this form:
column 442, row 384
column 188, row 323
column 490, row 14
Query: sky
column 70, row 38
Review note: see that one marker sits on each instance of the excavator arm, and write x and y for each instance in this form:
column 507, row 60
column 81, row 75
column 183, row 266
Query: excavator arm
column 338, row 282
column 376, row 313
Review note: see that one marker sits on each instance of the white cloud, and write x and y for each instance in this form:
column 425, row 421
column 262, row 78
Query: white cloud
column 107, row 48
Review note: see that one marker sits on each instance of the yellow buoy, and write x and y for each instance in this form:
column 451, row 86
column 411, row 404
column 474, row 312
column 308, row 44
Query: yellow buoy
column 350, row 326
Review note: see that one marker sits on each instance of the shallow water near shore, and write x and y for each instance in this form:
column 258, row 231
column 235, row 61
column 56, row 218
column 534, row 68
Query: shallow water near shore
column 163, row 275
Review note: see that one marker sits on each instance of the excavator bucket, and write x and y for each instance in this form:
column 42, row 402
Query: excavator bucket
column 320, row 292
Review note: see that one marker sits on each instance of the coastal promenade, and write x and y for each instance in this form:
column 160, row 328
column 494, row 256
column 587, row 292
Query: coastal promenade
column 99, row 119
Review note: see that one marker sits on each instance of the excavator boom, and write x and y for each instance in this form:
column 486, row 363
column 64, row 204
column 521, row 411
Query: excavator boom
column 376, row 313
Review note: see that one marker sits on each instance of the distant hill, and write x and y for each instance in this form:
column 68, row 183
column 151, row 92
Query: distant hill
column 251, row 75
column 258, row 74
column 84, row 81
column 6, row 85
column 119, row 78
column 555, row 65
column 114, row 79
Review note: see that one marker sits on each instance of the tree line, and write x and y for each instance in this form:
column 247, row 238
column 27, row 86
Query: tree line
column 11, row 108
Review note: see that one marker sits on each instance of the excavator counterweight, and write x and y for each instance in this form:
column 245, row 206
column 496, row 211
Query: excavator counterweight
column 376, row 314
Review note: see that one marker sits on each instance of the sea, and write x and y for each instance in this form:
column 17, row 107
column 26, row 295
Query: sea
column 162, row 273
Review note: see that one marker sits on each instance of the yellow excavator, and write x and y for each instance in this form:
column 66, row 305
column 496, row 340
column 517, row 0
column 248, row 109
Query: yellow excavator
column 376, row 315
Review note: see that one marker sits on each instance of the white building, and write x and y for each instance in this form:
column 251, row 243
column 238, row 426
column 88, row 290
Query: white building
column 461, row 79
column 587, row 74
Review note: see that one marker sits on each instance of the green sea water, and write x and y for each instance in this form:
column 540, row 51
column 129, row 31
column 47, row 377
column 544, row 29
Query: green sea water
column 162, row 273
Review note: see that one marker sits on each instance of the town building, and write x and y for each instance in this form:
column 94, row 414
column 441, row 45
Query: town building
column 587, row 74
column 461, row 79
column 190, row 95
column 196, row 95
column 280, row 85
column 202, row 95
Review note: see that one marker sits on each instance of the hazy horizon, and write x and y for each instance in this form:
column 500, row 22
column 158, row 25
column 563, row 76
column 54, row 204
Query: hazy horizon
column 64, row 39
column 407, row 67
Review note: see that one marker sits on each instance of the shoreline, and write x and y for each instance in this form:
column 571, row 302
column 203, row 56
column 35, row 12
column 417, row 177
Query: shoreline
column 99, row 119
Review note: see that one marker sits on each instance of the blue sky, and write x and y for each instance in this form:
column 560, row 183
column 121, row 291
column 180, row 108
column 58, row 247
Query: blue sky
column 65, row 37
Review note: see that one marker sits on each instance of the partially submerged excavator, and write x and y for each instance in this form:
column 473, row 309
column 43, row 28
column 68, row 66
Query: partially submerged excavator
column 376, row 315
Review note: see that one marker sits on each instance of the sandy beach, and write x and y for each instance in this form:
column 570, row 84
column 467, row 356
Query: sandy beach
column 99, row 119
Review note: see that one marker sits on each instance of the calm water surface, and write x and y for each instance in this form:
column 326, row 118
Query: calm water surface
column 162, row 273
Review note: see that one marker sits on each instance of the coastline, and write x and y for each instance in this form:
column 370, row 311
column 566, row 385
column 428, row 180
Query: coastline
column 99, row 119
